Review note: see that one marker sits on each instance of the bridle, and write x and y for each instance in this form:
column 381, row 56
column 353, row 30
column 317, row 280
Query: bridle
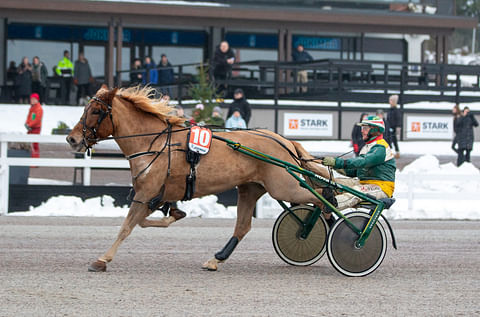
column 102, row 114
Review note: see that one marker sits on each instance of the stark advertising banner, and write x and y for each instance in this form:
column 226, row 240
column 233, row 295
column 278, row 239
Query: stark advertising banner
column 429, row 127
column 307, row 124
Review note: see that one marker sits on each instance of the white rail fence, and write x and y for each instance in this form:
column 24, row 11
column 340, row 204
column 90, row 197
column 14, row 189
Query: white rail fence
column 5, row 161
column 413, row 194
column 88, row 163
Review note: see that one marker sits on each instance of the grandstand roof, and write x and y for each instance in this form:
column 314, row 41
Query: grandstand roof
column 203, row 14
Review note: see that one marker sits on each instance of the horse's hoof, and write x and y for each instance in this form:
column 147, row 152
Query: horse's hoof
column 177, row 213
column 97, row 266
column 211, row 265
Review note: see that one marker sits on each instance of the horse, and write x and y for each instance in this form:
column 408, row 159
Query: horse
column 155, row 141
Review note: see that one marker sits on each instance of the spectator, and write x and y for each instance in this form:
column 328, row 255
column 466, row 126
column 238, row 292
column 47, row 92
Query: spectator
column 12, row 71
column 196, row 115
column 216, row 118
column 34, row 121
column 222, row 63
column 11, row 79
column 457, row 113
column 179, row 112
column 357, row 138
column 39, row 78
column 82, row 78
column 165, row 75
column 240, row 103
column 150, row 75
column 300, row 55
column 65, row 71
column 136, row 73
column 236, row 121
column 465, row 135
column 386, row 133
column 394, row 118
column 23, row 81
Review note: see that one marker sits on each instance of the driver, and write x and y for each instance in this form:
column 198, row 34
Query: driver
column 374, row 167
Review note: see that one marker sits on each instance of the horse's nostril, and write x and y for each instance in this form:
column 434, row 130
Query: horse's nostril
column 71, row 140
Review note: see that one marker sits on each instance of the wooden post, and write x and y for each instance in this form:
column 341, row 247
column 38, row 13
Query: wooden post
column 111, row 35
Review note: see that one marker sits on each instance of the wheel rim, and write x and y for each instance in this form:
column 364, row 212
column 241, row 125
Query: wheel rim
column 346, row 257
column 288, row 244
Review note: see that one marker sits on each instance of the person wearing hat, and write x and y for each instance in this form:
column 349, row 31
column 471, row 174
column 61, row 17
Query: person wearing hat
column 374, row 167
column 216, row 118
column 34, row 121
column 241, row 104
column 235, row 121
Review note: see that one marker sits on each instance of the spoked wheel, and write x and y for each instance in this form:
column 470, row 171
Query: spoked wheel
column 287, row 242
column 345, row 256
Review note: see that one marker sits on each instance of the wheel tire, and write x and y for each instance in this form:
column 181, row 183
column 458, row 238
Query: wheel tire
column 287, row 242
column 345, row 257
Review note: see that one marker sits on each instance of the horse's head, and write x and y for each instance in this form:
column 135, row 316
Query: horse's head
column 96, row 121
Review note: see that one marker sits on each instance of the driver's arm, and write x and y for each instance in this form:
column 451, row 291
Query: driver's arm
column 375, row 156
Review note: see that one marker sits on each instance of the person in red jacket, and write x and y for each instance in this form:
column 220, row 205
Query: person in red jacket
column 34, row 121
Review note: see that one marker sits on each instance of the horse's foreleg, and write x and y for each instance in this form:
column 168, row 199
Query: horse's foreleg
column 248, row 195
column 136, row 214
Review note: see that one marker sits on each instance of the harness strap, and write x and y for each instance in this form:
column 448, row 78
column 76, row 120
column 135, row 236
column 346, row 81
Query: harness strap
column 157, row 153
column 293, row 155
column 192, row 158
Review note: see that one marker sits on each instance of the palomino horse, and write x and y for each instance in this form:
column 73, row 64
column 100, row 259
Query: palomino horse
column 155, row 141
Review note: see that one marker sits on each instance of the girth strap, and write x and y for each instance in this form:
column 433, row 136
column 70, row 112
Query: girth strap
column 193, row 158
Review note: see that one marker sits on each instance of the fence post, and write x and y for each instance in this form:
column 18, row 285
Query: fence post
column 180, row 84
column 275, row 95
column 87, row 172
column 5, row 174
column 410, row 184
column 457, row 88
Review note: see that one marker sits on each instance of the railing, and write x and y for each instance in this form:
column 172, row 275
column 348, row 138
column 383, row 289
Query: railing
column 340, row 80
column 5, row 162
column 412, row 180
column 331, row 80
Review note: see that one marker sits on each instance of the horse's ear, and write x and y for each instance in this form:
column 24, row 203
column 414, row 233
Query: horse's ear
column 111, row 95
column 104, row 87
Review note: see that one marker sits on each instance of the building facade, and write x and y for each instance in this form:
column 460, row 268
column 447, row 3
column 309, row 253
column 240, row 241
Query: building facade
column 113, row 33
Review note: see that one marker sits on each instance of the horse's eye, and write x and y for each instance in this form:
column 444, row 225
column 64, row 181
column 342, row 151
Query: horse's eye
column 96, row 111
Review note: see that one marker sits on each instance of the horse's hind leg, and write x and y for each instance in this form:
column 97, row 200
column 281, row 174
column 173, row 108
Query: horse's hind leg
column 136, row 214
column 174, row 215
column 248, row 195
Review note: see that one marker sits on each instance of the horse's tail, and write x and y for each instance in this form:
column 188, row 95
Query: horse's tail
column 307, row 161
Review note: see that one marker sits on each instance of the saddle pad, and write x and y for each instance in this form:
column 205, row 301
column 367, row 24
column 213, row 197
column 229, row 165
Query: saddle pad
column 200, row 140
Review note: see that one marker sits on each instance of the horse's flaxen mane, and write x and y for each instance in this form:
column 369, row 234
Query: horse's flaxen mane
column 143, row 99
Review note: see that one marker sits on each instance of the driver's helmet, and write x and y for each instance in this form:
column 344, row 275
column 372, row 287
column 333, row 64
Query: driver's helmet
column 374, row 122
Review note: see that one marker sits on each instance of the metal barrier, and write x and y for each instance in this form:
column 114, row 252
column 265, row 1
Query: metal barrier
column 5, row 162
column 339, row 80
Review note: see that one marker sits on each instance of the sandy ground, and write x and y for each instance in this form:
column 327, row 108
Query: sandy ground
column 43, row 272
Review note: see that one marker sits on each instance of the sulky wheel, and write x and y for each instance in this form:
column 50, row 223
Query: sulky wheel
column 347, row 258
column 287, row 242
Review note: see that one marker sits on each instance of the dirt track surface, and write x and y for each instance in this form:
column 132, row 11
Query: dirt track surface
column 43, row 272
